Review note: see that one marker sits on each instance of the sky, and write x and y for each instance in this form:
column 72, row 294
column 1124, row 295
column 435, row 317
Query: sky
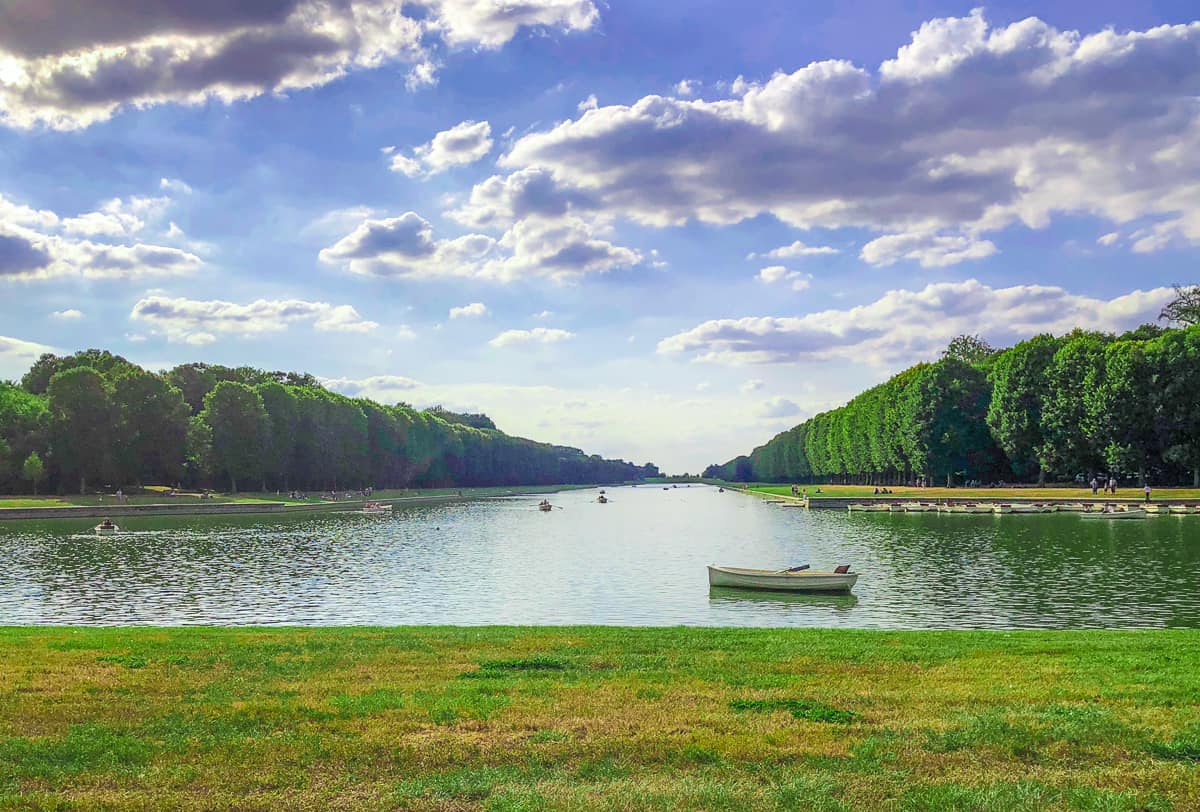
column 656, row 231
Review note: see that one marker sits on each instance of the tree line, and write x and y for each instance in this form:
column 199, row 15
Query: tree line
column 1051, row 407
column 96, row 419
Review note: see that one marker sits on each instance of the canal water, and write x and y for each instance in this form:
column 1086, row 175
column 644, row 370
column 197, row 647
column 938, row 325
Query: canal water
column 639, row 560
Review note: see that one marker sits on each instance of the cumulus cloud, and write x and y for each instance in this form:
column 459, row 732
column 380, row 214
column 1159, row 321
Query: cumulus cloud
column 778, row 273
column 16, row 355
column 1109, row 239
column 929, row 249
column 64, row 70
column 778, row 407
column 796, row 249
column 905, row 326
column 174, row 185
column 590, row 103
column 196, row 322
column 527, row 338
column 38, row 244
column 462, row 144
column 752, row 385
column 472, row 311
column 376, row 386
column 67, row 315
column 968, row 130
column 404, row 246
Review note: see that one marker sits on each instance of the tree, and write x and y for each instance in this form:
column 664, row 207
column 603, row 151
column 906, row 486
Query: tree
column 945, row 414
column 81, row 423
column 1176, row 358
column 968, row 349
column 1069, row 446
column 34, row 470
column 1019, row 388
column 1121, row 401
column 240, row 426
column 282, row 415
column 1185, row 307
column 152, row 422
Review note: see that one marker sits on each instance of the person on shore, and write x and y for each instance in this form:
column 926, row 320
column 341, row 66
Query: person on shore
column 1112, row 485
column 1146, row 490
column 1095, row 486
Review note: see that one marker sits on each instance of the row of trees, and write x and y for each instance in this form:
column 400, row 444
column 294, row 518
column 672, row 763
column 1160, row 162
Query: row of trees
column 94, row 418
column 1049, row 407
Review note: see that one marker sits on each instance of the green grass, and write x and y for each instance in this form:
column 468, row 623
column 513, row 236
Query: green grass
column 932, row 494
column 157, row 495
column 598, row 718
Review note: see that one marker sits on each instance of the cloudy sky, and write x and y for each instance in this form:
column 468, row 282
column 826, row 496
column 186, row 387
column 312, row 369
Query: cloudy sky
column 659, row 231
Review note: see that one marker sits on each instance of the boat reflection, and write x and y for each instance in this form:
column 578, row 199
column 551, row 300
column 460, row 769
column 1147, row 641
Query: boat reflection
column 728, row 596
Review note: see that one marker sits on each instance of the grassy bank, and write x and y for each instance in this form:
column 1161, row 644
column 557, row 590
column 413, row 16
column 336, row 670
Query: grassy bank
column 932, row 494
column 598, row 718
column 159, row 496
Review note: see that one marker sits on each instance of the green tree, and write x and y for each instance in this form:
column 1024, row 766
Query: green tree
column 1019, row 389
column 1121, row 401
column 1185, row 307
column 240, row 426
column 33, row 470
column 283, row 417
column 1176, row 358
column 968, row 349
column 152, row 422
column 81, row 423
column 945, row 417
column 1069, row 446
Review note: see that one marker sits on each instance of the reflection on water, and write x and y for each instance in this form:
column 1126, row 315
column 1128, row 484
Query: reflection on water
column 639, row 560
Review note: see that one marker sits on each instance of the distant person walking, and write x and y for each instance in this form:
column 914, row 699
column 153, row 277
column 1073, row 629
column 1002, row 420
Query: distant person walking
column 1112, row 485
column 1147, row 491
column 1095, row 486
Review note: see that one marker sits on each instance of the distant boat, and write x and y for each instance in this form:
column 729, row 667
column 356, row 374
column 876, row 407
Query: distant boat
column 545, row 506
column 602, row 499
column 1183, row 510
column 720, row 490
column 858, row 507
column 806, row 580
column 964, row 508
column 107, row 528
column 917, row 507
column 1132, row 513
column 376, row 508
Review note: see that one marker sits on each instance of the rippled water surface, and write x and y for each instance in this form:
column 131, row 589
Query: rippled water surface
column 639, row 560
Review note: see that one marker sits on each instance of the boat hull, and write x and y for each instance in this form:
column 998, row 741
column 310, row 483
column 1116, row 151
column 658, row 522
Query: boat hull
column 805, row 581
column 1115, row 514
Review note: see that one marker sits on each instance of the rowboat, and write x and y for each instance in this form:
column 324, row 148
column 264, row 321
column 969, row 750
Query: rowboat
column 1131, row 513
column 376, row 508
column 1033, row 508
column 783, row 580
column 1184, row 510
column 964, row 508
column 107, row 528
column 1073, row 507
column 1002, row 508
column 602, row 499
column 917, row 507
column 545, row 506
column 858, row 507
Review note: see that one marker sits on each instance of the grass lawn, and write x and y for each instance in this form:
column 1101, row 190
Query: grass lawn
column 931, row 494
column 598, row 718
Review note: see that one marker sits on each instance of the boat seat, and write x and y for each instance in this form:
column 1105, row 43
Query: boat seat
column 797, row 569
column 841, row 568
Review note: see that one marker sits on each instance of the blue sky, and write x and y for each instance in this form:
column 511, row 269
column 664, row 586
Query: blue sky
column 659, row 231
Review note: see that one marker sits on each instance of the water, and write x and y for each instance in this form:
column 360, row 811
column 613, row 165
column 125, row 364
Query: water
column 639, row 560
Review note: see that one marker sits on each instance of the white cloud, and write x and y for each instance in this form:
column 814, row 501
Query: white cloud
column 175, row 185
column 472, row 311
column 1109, row 239
column 929, row 249
column 462, row 144
column 752, row 385
column 796, row 249
column 118, row 217
column 196, row 322
column 404, row 246
column 969, row 130
column 17, row 355
column 778, row 273
column 65, row 71
column 525, row 338
column 906, row 326
column 67, row 315
column 590, row 103
column 778, row 407
column 687, row 88
column 382, row 387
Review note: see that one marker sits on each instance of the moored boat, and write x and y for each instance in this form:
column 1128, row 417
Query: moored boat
column 800, row 580
column 917, row 507
column 1072, row 507
column 1130, row 513
column 1184, row 510
column 1002, row 508
column 964, row 508
column 859, row 507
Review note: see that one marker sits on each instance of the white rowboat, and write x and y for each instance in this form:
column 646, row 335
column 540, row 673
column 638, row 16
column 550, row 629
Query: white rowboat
column 1184, row 510
column 1135, row 513
column 802, row 581
column 377, row 509
column 108, row 529
column 869, row 508
column 918, row 507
